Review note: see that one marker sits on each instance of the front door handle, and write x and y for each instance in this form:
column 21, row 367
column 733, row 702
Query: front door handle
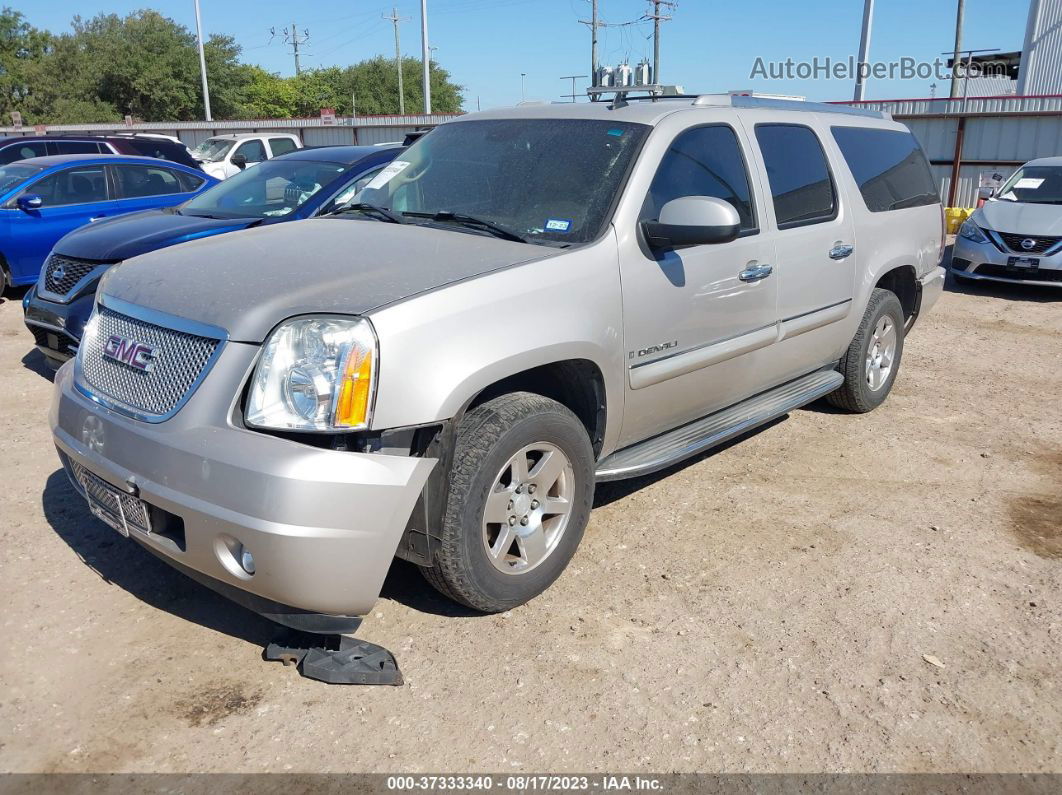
column 754, row 273
column 841, row 251
column 97, row 217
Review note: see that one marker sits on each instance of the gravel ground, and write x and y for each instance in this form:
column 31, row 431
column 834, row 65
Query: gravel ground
column 769, row 607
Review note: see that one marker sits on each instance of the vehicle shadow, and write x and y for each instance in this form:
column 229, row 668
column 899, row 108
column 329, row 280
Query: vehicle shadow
column 35, row 362
column 1005, row 290
column 124, row 563
column 609, row 492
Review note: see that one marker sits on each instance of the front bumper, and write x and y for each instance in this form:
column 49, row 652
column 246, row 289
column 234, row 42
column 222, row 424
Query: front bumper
column 322, row 525
column 986, row 262
column 57, row 328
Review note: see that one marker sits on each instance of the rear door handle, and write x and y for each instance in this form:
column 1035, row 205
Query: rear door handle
column 755, row 272
column 841, row 252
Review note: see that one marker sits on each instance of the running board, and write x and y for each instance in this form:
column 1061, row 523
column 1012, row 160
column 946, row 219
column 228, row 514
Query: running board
column 673, row 446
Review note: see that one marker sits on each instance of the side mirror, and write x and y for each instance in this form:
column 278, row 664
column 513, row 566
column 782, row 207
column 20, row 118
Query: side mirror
column 239, row 160
column 986, row 193
column 693, row 221
column 29, row 202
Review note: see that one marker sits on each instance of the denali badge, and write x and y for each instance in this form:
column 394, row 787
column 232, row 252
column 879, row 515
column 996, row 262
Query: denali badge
column 127, row 351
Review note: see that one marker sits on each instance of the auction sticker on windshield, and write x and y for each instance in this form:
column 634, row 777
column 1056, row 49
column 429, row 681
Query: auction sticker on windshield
column 394, row 168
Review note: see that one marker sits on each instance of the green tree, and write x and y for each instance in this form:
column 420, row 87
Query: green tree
column 267, row 95
column 21, row 45
column 374, row 86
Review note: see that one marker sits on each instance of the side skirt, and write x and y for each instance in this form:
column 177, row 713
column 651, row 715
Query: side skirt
column 693, row 438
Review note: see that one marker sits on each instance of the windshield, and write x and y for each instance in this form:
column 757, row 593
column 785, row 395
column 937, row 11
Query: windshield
column 14, row 174
column 1035, row 185
column 273, row 188
column 213, row 149
column 550, row 181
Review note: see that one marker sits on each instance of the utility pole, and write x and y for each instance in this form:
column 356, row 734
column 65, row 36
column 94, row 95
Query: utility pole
column 594, row 23
column 864, row 50
column 523, row 93
column 292, row 37
column 425, row 56
column 657, row 18
column 394, row 19
column 955, row 60
column 573, row 78
column 202, row 61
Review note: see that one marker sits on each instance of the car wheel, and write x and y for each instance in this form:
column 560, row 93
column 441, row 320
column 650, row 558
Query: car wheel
column 870, row 365
column 521, row 488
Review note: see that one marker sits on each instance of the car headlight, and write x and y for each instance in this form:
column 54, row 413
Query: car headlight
column 316, row 373
column 972, row 232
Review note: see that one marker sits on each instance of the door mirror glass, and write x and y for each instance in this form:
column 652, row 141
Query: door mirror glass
column 239, row 160
column 30, row 202
column 693, row 221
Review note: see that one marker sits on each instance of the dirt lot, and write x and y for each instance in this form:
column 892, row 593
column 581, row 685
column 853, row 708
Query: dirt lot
column 764, row 608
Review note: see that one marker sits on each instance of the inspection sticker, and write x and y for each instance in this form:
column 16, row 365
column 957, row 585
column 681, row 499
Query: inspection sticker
column 393, row 169
column 558, row 224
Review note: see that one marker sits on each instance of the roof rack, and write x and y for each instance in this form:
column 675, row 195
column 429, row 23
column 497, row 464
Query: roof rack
column 655, row 93
column 776, row 103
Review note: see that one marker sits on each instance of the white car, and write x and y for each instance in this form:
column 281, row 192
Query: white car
column 225, row 155
column 1017, row 235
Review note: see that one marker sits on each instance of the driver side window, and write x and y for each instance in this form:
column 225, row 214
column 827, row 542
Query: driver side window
column 704, row 161
column 254, row 151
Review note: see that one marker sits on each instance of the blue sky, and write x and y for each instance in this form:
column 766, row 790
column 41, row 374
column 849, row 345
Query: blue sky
column 486, row 44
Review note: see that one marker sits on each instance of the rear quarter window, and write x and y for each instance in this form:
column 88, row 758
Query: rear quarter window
column 889, row 167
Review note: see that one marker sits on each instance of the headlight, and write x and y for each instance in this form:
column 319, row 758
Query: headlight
column 315, row 374
column 972, row 232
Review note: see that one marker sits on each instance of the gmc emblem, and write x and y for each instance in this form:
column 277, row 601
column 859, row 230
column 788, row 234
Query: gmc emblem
column 136, row 354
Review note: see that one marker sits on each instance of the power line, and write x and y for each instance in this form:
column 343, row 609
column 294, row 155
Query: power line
column 292, row 37
column 657, row 18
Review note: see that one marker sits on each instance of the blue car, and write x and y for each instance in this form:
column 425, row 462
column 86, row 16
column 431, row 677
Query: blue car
column 301, row 184
column 43, row 198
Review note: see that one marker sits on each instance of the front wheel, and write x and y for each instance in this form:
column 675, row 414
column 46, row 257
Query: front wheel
column 872, row 361
column 521, row 488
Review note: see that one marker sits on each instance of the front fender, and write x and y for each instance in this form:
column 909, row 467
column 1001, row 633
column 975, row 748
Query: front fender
column 440, row 349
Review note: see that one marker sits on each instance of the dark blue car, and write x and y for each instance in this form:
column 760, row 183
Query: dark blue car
column 43, row 198
column 298, row 185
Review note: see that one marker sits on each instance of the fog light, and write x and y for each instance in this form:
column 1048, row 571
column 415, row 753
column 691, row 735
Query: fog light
column 246, row 560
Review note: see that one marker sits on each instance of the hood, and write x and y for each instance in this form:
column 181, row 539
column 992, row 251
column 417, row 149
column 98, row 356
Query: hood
column 249, row 281
column 1021, row 218
column 130, row 235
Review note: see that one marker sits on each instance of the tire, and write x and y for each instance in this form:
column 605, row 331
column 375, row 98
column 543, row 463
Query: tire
column 865, row 384
column 489, row 566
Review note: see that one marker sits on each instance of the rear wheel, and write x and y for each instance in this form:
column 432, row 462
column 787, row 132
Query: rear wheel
column 872, row 361
column 520, row 494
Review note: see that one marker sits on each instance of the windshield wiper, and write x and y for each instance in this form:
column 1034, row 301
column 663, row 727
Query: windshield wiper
column 374, row 210
column 445, row 216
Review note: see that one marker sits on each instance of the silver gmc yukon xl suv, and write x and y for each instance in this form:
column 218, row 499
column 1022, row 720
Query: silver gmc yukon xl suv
column 529, row 301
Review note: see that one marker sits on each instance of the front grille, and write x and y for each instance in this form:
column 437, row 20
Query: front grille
column 117, row 504
column 181, row 358
column 61, row 274
column 1041, row 244
column 1020, row 274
